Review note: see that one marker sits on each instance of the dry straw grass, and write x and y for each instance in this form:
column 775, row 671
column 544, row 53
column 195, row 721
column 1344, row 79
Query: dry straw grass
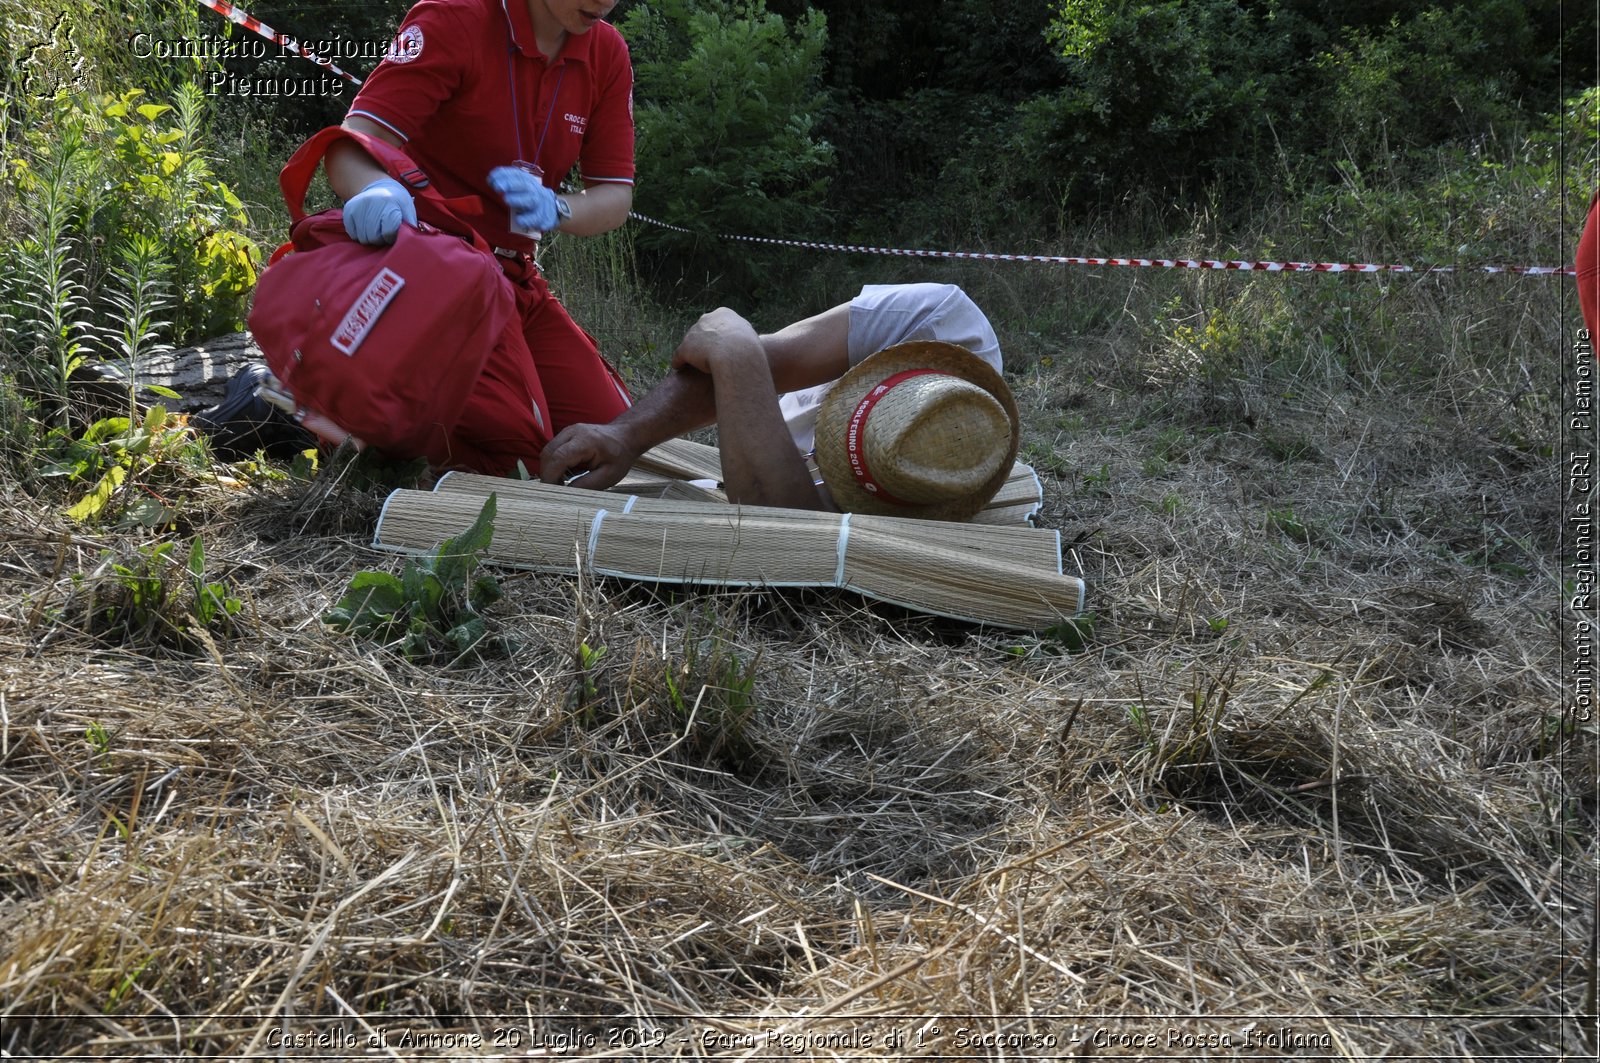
column 1304, row 793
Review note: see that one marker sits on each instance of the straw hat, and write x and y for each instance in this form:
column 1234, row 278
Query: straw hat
column 922, row 429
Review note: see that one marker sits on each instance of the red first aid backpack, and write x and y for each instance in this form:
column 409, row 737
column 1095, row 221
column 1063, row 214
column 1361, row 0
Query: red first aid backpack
column 384, row 341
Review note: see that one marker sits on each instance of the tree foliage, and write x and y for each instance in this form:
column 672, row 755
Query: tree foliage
column 946, row 121
column 988, row 120
column 728, row 103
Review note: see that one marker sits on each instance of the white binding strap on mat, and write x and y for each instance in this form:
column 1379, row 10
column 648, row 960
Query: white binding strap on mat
column 594, row 536
column 844, row 545
column 1008, row 576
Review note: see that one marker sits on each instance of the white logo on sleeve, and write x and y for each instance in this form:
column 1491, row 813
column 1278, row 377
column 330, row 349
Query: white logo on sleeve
column 406, row 46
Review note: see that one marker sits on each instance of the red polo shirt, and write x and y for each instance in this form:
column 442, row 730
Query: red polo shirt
column 466, row 88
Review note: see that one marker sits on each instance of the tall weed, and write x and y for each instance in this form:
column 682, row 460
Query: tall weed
column 46, row 321
column 99, row 179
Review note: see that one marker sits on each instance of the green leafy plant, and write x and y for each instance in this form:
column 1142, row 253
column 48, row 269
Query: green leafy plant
column 123, row 990
column 139, row 295
column 126, row 460
column 50, row 324
column 156, row 598
column 1139, row 716
column 125, row 241
column 1099, row 481
column 588, row 690
column 434, row 607
column 1070, row 636
column 101, row 176
column 213, row 604
column 711, row 689
column 98, row 738
column 146, row 590
column 1287, row 523
column 114, row 450
column 166, row 191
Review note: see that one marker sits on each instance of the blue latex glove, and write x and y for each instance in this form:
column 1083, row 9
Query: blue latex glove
column 534, row 208
column 373, row 215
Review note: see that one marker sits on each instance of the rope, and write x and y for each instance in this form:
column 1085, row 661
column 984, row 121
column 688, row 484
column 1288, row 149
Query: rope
column 1147, row 263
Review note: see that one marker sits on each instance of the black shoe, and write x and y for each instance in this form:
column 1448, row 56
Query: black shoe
column 243, row 422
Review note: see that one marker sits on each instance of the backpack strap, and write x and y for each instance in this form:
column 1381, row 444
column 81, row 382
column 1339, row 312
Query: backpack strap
column 452, row 215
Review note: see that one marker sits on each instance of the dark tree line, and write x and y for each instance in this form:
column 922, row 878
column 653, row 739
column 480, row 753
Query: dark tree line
column 962, row 118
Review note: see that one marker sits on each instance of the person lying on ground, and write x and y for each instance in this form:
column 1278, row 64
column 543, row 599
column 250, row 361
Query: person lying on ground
column 921, row 428
column 804, row 360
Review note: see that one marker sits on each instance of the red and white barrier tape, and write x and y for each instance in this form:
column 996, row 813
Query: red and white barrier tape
column 255, row 25
column 1150, row 263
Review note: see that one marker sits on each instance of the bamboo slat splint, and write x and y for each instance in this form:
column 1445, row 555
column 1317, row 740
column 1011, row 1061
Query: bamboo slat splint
column 1004, row 575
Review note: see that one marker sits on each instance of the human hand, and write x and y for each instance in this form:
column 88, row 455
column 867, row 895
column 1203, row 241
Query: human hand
column 716, row 337
column 373, row 215
column 534, row 208
column 599, row 454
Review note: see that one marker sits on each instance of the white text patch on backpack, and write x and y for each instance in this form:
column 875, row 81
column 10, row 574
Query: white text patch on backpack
column 365, row 310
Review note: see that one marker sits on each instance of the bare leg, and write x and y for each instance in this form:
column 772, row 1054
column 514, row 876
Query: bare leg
column 760, row 464
column 807, row 353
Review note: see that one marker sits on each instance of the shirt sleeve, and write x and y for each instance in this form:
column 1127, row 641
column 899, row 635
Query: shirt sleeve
column 425, row 65
column 607, row 154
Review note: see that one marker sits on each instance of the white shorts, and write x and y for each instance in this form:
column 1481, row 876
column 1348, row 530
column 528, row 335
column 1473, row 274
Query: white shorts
column 886, row 314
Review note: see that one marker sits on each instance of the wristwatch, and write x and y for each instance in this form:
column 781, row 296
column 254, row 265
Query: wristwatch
column 563, row 210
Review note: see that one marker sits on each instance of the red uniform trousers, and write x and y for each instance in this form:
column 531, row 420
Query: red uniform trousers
column 540, row 378
column 1589, row 269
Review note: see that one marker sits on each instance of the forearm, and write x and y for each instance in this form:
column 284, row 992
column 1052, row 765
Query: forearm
column 686, row 399
column 602, row 454
column 683, row 401
column 811, row 351
column 349, row 167
column 598, row 209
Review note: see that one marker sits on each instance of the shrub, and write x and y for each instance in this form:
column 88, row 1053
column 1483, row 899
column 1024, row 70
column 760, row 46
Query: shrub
column 729, row 98
column 152, row 598
column 1154, row 90
column 1415, row 82
column 78, row 48
column 1171, row 95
